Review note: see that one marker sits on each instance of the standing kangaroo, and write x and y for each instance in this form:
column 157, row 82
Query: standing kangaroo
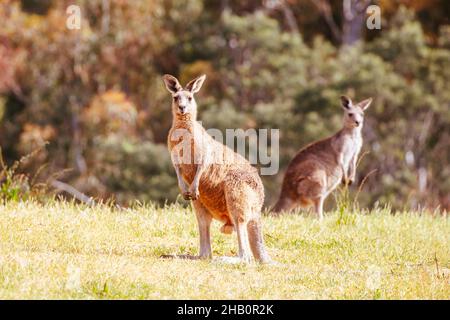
column 221, row 183
column 318, row 168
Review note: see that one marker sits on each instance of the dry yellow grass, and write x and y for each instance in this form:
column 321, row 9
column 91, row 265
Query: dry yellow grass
column 63, row 250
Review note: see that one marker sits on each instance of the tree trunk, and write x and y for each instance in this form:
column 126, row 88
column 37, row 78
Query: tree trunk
column 354, row 19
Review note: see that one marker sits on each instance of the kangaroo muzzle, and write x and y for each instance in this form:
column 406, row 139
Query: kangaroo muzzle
column 182, row 109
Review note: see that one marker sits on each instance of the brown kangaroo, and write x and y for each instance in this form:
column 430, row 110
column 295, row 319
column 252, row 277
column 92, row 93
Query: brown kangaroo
column 318, row 168
column 221, row 183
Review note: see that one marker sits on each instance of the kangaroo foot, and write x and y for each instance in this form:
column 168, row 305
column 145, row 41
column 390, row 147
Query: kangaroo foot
column 231, row 260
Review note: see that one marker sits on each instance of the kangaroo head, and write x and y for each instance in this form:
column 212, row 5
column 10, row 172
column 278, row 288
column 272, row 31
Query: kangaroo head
column 183, row 102
column 354, row 113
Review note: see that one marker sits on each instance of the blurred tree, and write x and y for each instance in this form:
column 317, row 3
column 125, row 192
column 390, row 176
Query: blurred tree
column 97, row 97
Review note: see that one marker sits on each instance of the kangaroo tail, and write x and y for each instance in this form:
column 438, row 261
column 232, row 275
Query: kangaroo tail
column 256, row 241
column 278, row 207
column 283, row 204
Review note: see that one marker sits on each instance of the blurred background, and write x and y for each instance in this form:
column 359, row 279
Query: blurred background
column 88, row 107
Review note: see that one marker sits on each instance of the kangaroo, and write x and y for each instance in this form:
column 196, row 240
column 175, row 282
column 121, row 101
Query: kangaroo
column 318, row 168
column 221, row 183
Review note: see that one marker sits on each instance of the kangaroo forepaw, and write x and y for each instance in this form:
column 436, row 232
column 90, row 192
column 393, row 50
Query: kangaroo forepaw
column 184, row 190
column 187, row 195
column 347, row 182
column 193, row 193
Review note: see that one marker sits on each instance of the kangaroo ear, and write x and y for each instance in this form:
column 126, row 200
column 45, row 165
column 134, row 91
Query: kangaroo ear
column 195, row 85
column 346, row 102
column 365, row 104
column 172, row 83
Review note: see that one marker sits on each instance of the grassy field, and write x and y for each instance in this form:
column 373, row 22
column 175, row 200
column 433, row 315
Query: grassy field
column 63, row 250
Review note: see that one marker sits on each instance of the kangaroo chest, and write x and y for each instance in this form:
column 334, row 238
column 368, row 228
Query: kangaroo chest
column 185, row 150
column 350, row 147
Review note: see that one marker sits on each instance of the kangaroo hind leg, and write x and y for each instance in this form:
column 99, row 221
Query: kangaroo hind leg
column 312, row 190
column 204, row 219
column 239, row 211
column 256, row 241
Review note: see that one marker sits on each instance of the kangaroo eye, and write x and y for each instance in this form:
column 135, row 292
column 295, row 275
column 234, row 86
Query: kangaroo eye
column 175, row 99
column 350, row 115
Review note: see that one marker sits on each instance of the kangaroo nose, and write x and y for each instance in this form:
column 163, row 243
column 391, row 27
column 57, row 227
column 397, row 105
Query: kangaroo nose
column 182, row 108
column 357, row 123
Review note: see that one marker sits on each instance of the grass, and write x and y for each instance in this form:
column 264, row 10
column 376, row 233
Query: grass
column 68, row 251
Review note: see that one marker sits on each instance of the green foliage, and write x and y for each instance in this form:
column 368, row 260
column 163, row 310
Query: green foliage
column 345, row 207
column 148, row 174
column 17, row 186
